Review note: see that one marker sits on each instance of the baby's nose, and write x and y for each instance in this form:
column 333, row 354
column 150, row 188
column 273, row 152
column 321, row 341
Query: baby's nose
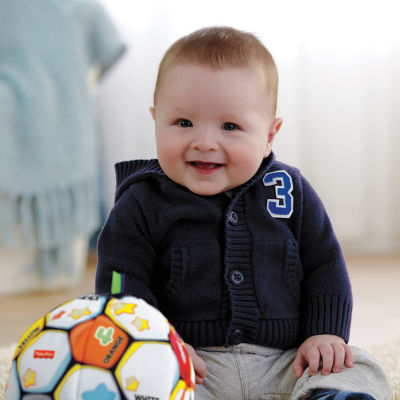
column 205, row 140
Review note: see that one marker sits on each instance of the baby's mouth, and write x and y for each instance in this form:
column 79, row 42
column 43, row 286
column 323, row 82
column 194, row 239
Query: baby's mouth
column 205, row 165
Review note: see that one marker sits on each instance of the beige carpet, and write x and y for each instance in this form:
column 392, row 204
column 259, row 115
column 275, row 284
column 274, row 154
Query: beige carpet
column 388, row 354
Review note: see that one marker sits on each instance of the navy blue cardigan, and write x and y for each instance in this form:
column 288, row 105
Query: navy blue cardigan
column 259, row 264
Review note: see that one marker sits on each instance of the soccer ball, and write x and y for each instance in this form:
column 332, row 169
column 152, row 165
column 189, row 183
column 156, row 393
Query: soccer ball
column 101, row 348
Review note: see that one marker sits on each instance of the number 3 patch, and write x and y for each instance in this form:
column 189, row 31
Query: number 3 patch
column 282, row 206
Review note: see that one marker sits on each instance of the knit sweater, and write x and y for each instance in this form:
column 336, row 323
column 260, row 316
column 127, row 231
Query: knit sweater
column 259, row 264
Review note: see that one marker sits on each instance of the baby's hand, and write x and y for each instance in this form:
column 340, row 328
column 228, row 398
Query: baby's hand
column 329, row 351
column 200, row 367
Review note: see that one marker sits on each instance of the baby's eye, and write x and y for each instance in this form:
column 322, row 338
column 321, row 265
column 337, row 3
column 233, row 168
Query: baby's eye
column 184, row 123
column 229, row 126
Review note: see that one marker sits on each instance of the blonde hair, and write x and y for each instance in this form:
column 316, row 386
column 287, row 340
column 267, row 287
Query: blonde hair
column 219, row 47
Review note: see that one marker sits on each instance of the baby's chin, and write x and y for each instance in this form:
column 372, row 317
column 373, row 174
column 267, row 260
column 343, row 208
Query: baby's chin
column 198, row 186
column 203, row 190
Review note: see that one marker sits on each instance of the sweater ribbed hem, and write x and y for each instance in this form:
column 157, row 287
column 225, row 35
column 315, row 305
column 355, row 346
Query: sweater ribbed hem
column 201, row 333
column 327, row 315
column 280, row 333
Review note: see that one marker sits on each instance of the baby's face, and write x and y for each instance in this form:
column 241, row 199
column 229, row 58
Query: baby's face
column 213, row 126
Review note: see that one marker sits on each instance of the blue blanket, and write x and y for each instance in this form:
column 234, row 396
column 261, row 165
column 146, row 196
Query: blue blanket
column 48, row 136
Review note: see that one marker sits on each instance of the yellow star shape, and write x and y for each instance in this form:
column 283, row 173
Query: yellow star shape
column 132, row 384
column 77, row 313
column 29, row 378
column 121, row 308
column 141, row 324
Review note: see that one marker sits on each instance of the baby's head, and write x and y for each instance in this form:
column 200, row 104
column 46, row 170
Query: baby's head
column 214, row 109
column 222, row 47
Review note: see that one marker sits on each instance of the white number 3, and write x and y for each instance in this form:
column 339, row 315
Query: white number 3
column 282, row 206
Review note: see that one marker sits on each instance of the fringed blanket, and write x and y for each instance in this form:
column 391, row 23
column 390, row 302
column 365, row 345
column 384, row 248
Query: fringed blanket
column 48, row 136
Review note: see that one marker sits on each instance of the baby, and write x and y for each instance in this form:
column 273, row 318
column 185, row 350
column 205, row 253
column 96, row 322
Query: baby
column 234, row 247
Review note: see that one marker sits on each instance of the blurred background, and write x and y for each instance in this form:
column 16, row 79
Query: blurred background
column 339, row 97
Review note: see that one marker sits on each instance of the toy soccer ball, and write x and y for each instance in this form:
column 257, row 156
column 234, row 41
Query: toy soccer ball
column 101, row 348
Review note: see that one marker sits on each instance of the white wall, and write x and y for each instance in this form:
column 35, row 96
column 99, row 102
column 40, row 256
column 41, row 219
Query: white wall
column 339, row 64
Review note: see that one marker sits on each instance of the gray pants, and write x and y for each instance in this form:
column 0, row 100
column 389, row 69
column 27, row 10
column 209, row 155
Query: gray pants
column 249, row 372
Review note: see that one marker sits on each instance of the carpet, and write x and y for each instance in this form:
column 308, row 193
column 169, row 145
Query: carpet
column 387, row 353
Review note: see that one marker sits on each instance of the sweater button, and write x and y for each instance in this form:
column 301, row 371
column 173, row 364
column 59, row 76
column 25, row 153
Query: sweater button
column 236, row 337
column 233, row 218
column 237, row 277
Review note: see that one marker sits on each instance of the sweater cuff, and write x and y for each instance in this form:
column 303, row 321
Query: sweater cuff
column 326, row 315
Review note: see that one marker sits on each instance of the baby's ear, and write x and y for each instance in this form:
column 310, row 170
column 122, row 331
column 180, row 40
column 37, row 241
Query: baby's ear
column 153, row 112
column 273, row 130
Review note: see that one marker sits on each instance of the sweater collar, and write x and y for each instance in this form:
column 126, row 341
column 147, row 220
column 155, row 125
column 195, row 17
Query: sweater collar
column 128, row 172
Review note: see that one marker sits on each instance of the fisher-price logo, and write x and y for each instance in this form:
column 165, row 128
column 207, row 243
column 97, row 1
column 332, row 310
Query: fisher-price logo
column 44, row 354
